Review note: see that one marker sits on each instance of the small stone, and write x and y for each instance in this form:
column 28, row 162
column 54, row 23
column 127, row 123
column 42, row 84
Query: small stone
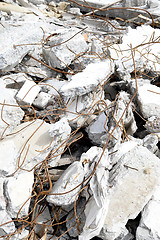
column 28, row 93
column 71, row 178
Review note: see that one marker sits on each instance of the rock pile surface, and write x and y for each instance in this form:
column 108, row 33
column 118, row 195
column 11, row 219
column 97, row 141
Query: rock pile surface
column 79, row 120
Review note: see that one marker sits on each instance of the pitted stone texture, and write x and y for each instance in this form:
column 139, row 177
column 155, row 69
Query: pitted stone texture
column 132, row 180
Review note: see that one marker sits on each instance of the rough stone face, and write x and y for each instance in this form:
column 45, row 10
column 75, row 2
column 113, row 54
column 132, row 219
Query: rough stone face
column 31, row 144
column 121, row 53
column 88, row 79
column 132, row 181
column 10, row 53
column 62, row 50
column 11, row 113
column 106, row 122
column 28, row 93
column 97, row 206
column 17, row 190
column 149, row 227
column 148, row 99
column 42, row 100
column 71, row 178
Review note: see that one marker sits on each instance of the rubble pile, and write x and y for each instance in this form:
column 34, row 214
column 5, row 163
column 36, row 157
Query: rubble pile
column 79, row 120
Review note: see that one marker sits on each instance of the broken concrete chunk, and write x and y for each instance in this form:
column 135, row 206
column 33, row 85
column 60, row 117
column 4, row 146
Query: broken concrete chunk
column 32, row 141
column 80, row 110
column 149, row 227
column 132, row 182
column 145, row 54
column 149, row 98
column 28, row 93
column 86, row 81
column 42, row 100
column 97, row 206
column 106, row 122
column 70, row 179
column 17, row 191
column 153, row 124
column 18, row 42
column 7, row 228
column 61, row 50
column 11, row 113
column 7, row 158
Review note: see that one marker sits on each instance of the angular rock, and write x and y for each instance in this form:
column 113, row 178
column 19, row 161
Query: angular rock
column 132, row 182
column 31, row 142
column 70, row 179
column 149, row 227
column 28, row 93
column 11, row 113
column 8, row 225
column 105, row 123
column 18, row 43
column 42, row 100
column 86, row 81
column 97, row 206
column 145, row 54
column 80, row 110
column 153, row 124
column 64, row 48
column 17, row 190
column 148, row 98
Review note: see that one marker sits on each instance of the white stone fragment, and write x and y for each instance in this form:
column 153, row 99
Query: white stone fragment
column 97, row 206
column 149, row 227
column 132, row 182
column 17, row 191
column 61, row 51
column 11, row 113
column 7, row 228
column 145, row 55
column 87, row 80
column 149, row 99
column 8, row 157
column 28, row 93
column 33, row 141
column 106, row 122
column 153, row 124
column 42, row 100
column 80, row 110
column 71, row 178
column 18, row 42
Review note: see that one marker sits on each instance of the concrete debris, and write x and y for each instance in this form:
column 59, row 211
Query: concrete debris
column 11, row 113
column 18, row 43
column 153, row 124
column 149, row 227
column 139, row 168
column 28, row 93
column 97, row 206
column 79, row 119
column 17, row 190
column 141, row 46
column 41, row 100
column 65, row 190
column 99, row 130
column 94, row 74
column 61, row 51
column 148, row 99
